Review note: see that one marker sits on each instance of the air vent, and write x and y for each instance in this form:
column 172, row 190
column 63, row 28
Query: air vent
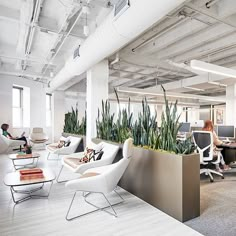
column 76, row 52
column 120, row 7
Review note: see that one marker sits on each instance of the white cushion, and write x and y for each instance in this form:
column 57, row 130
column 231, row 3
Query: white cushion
column 128, row 148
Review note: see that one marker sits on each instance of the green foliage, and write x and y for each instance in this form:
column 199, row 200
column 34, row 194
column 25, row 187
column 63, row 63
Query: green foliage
column 105, row 125
column 72, row 124
column 185, row 147
column 144, row 130
column 108, row 129
column 169, row 126
column 123, row 125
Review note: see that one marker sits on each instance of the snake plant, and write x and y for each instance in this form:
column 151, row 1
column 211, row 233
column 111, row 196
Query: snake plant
column 169, row 126
column 123, row 125
column 145, row 128
column 72, row 124
column 105, row 123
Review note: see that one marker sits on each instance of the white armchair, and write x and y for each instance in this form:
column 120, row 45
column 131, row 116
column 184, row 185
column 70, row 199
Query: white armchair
column 53, row 149
column 102, row 180
column 38, row 136
column 71, row 162
column 7, row 144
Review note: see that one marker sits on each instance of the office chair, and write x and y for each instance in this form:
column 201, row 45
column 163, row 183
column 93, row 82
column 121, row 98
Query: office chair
column 205, row 147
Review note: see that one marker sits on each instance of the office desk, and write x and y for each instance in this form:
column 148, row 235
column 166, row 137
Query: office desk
column 229, row 152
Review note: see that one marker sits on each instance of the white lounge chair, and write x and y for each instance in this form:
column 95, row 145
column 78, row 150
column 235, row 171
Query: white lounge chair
column 7, row 145
column 38, row 136
column 102, row 180
column 71, row 162
column 66, row 150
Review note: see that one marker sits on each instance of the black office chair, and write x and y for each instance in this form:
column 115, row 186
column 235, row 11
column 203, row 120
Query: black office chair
column 204, row 142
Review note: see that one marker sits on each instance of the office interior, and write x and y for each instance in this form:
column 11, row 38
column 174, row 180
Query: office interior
column 86, row 75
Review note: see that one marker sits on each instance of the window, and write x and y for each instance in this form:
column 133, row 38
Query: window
column 17, row 106
column 48, row 109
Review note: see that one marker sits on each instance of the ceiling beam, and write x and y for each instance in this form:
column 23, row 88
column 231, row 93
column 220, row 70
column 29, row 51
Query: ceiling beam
column 206, row 36
column 26, row 13
column 155, row 92
column 217, row 46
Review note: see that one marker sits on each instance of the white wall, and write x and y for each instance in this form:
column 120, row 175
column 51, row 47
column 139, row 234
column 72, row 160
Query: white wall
column 58, row 114
column 230, row 104
column 37, row 103
column 97, row 90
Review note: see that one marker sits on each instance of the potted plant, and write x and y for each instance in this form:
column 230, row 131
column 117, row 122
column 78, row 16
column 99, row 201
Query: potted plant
column 163, row 171
column 28, row 149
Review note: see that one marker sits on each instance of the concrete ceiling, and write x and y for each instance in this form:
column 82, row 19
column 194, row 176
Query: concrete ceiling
column 36, row 39
column 37, row 36
column 162, row 54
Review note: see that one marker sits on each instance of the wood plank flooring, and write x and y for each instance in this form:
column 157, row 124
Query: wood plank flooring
column 39, row 217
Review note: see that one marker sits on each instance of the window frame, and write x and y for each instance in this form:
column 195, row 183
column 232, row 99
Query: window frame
column 49, row 109
column 20, row 107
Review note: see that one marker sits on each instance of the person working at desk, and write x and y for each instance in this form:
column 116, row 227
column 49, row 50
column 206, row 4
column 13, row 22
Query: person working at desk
column 208, row 126
column 5, row 127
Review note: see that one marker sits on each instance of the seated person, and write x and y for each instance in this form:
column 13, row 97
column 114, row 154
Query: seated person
column 5, row 127
column 208, row 126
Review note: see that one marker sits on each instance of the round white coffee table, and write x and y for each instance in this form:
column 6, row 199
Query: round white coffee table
column 18, row 186
column 20, row 157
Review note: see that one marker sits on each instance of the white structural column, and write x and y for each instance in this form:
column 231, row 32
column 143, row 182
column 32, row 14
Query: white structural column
column 97, row 90
column 58, row 114
column 231, row 105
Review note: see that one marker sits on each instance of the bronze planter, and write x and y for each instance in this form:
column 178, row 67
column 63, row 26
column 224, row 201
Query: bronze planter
column 167, row 181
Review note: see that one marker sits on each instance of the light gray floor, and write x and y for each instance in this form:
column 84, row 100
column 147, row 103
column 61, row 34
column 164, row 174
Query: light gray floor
column 47, row 216
column 218, row 207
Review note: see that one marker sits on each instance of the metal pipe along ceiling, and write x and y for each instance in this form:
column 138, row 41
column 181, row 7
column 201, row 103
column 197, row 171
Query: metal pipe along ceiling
column 112, row 35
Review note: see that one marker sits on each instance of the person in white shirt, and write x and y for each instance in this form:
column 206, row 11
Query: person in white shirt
column 208, row 126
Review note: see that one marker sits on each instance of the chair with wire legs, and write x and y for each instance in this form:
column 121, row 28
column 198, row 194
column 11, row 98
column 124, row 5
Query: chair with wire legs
column 9, row 145
column 101, row 180
column 65, row 150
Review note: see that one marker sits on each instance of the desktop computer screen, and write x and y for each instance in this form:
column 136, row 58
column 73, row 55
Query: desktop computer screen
column 226, row 131
column 184, row 127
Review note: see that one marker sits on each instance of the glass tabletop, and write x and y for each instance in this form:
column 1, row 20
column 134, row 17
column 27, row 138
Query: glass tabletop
column 13, row 179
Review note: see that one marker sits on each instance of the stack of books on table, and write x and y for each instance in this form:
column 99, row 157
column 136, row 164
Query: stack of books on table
column 24, row 155
column 35, row 173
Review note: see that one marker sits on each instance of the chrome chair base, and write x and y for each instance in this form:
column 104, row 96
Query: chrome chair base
column 58, row 176
column 85, row 195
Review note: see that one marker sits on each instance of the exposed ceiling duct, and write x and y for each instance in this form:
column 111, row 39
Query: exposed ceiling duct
column 112, row 35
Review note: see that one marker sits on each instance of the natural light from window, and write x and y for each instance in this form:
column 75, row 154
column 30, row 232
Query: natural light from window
column 48, row 110
column 17, row 106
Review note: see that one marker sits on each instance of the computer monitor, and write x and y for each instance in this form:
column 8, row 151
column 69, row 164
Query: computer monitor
column 184, row 127
column 197, row 123
column 226, row 131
